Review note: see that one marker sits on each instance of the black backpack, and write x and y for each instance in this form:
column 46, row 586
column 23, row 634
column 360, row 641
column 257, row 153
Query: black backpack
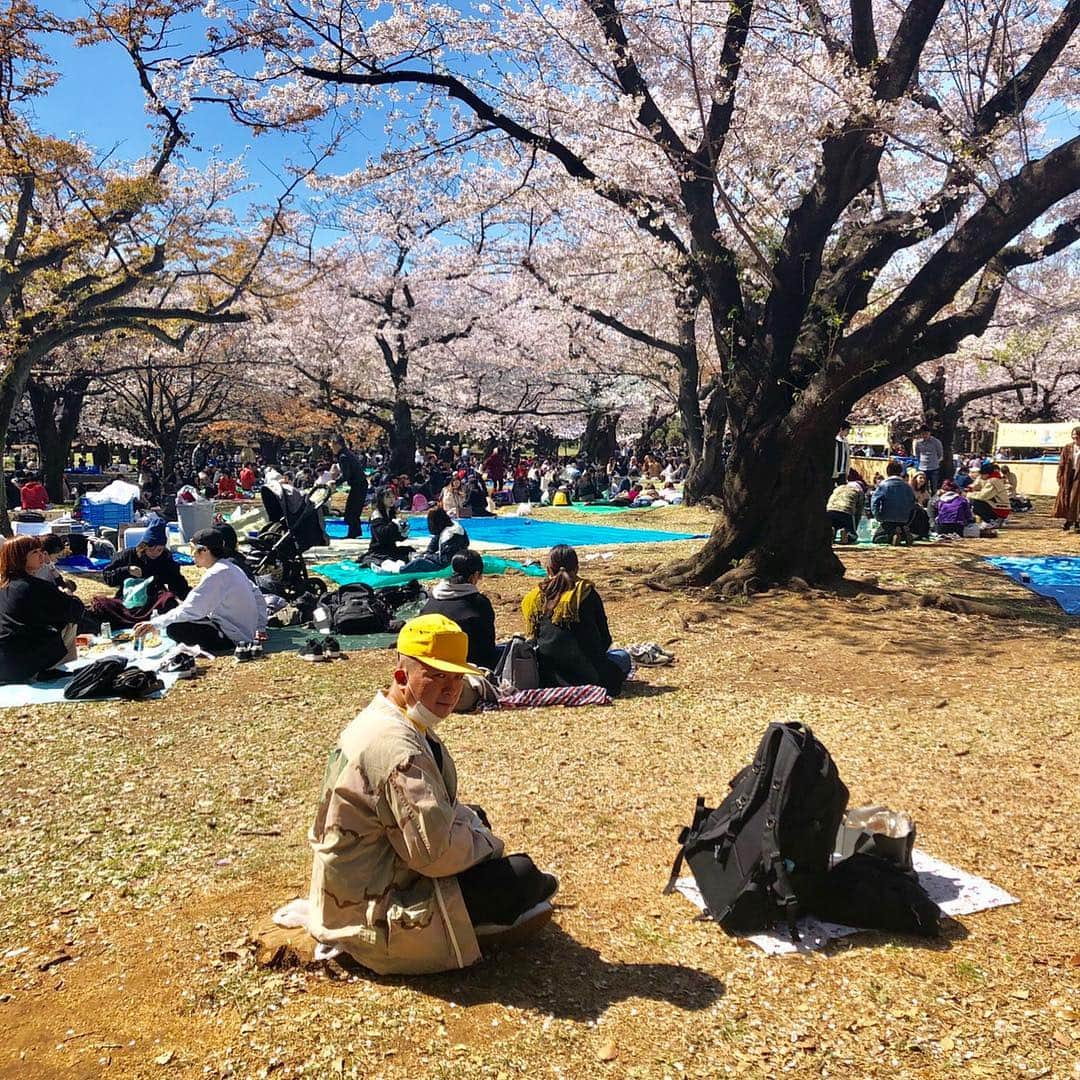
column 352, row 609
column 755, row 855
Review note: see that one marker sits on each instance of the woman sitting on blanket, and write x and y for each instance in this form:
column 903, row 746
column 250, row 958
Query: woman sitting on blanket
column 150, row 558
column 388, row 532
column 461, row 601
column 447, row 539
column 38, row 621
column 222, row 611
column 566, row 617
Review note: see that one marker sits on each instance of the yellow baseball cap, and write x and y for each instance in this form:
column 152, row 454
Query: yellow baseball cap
column 438, row 642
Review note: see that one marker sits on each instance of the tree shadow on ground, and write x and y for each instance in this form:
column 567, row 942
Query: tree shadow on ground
column 556, row 974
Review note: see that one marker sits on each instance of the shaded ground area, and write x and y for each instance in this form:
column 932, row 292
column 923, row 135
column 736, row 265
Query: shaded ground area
column 141, row 841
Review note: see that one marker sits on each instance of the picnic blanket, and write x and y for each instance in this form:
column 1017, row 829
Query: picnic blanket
column 607, row 508
column 21, row 695
column 349, row 572
column 289, row 639
column 529, row 532
column 1053, row 576
column 955, row 891
column 555, row 695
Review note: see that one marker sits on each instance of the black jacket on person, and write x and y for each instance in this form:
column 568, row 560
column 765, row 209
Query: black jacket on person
column 385, row 538
column 352, row 472
column 577, row 653
column 32, row 614
column 165, row 571
column 472, row 611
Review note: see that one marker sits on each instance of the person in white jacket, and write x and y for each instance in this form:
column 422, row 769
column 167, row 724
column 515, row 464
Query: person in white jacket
column 224, row 609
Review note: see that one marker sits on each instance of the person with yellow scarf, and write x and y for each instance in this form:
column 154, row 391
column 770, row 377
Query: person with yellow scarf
column 566, row 618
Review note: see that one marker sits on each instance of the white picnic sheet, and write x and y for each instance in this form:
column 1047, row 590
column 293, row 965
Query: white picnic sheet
column 20, row 695
column 955, row 891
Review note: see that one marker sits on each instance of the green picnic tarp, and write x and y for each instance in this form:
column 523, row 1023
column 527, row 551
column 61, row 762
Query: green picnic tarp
column 350, row 572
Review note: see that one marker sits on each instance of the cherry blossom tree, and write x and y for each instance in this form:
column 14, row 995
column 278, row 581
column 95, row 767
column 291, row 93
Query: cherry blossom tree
column 828, row 179
column 92, row 245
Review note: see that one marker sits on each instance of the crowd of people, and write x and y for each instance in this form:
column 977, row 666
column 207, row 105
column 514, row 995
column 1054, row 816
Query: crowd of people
column 910, row 503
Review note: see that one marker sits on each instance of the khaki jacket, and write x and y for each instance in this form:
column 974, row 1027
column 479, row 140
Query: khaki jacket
column 388, row 838
column 992, row 490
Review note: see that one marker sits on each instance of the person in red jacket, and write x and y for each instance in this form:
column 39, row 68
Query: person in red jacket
column 247, row 478
column 34, row 496
column 226, row 486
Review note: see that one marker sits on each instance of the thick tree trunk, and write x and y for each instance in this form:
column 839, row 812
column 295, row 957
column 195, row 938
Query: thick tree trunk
column 650, row 426
column 402, row 440
column 772, row 526
column 57, row 412
column 705, row 478
column 946, row 432
column 599, row 442
column 547, row 445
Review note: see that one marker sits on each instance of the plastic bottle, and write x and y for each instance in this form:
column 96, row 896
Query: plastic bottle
column 865, row 530
column 106, row 631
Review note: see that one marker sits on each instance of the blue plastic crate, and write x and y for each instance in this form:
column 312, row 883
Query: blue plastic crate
column 105, row 515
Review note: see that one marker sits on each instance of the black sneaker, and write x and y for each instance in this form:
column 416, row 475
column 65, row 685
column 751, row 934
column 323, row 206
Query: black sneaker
column 257, row 650
column 312, row 651
column 331, row 648
column 243, row 652
column 182, row 665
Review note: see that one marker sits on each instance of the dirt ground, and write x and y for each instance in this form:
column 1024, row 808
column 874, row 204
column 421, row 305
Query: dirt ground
column 142, row 841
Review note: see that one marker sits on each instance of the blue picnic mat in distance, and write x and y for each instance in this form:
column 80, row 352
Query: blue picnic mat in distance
column 526, row 532
column 1054, row 576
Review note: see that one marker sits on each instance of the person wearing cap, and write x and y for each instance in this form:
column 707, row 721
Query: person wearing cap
column 406, row 878
column 224, row 609
column 149, row 559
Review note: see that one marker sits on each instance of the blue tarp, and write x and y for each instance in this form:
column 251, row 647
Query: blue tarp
column 1053, row 576
column 525, row 532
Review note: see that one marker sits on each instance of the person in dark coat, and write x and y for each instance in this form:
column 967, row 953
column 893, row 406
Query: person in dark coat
column 150, row 558
column 447, row 539
column 387, row 537
column 461, row 601
column 352, row 473
column 37, row 620
column 566, row 617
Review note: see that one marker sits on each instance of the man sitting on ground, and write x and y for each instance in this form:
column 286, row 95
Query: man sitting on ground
column 892, row 506
column 406, row 879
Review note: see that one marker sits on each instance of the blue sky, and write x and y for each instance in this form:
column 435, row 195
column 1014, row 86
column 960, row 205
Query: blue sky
column 98, row 98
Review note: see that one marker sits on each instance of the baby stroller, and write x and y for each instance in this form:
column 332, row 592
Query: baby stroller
column 277, row 551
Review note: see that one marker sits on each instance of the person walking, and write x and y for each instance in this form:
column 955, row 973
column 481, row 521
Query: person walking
column 352, row 473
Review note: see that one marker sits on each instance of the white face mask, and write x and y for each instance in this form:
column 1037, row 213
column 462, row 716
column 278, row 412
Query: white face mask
column 423, row 717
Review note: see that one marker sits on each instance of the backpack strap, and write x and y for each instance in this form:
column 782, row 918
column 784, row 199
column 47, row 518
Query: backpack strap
column 700, row 812
column 786, row 756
